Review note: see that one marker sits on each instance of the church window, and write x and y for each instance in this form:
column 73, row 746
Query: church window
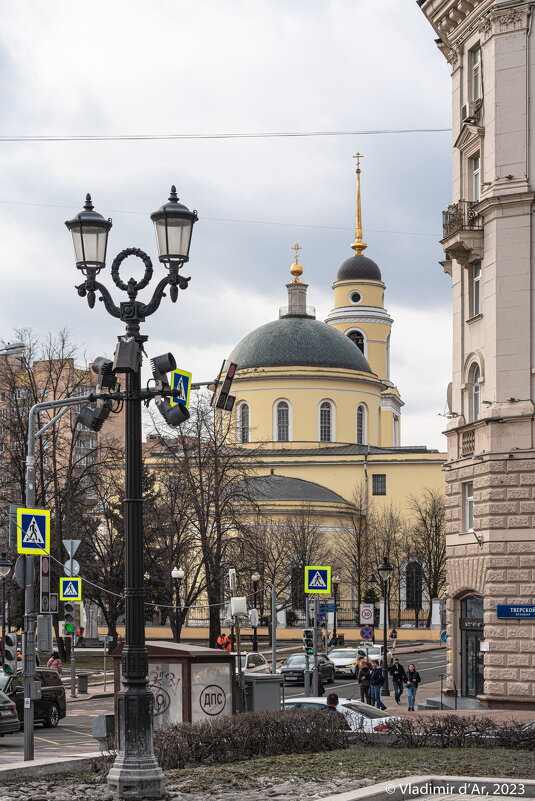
column 243, row 422
column 475, row 400
column 475, row 288
column 379, row 484
column 326, row 415
column 361, row 424
column 283, row 421
column 357, row 337
column 355, row 297
column 477, row 83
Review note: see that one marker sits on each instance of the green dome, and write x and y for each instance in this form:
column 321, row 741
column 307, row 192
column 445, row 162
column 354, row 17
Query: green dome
column 300, row 342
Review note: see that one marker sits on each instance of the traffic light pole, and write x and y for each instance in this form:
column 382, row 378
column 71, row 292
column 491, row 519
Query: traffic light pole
column 30, row 617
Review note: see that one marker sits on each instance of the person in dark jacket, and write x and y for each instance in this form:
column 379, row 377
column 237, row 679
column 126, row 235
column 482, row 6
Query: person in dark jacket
column 363, row 679
column 412, row 680
column 397, row 671
column 376, row 682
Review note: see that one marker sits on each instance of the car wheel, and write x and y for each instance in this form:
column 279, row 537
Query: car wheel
column 52, row 716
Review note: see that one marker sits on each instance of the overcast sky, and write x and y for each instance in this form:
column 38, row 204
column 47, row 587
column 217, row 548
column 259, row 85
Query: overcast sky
column 230, row 66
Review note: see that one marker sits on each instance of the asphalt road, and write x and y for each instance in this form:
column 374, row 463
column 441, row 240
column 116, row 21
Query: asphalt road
column 429, row 664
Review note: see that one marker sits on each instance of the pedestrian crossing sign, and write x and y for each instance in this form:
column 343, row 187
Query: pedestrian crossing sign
column 70, row 589
column 318, row 579
column 181, row 380
column 33, row 531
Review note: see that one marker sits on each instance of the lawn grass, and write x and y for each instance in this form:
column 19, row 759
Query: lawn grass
column 375, row 763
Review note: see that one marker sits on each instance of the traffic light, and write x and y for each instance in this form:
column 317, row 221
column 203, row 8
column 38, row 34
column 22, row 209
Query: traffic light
column 69, row 618
column 10, row 653
column 224, row 400
column 308, row 641
column 160, row 366
column 95, row 417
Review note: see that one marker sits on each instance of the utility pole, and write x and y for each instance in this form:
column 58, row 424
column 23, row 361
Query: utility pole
column 273, row 629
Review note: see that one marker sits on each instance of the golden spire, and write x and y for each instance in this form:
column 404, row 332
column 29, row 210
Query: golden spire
column 296, row 269
column 358, row 245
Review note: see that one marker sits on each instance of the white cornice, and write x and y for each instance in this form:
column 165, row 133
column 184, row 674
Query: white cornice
column 359, row 314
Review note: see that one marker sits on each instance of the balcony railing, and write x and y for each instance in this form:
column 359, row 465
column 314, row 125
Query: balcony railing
column 468, row 442
column 460, row 216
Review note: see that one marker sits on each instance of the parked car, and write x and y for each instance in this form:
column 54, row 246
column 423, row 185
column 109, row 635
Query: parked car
column 252, row 662
column 372, row 652
column 9, row 720
column 293, row 669
column 50, row 708
column 360, row 717
column 346, row 660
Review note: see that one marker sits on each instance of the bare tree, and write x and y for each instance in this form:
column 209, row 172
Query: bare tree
column 426, row 541
column 307, row 545
column 351, row 550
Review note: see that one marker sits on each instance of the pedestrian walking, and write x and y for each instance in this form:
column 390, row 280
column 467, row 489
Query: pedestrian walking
column 223, row 642
column 55, row 662
column 376, row 682
column 397, row 671
column 413, row 680
column 363, row 679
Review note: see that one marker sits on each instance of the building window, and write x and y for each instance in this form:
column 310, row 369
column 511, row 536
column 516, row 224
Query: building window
column 475, row 169
column 243, row 422
column 395, row 430
column 283, row 421
column 361, row 424
column 355, row 297
column 475, row 392
column 468, row 506
column 357, row 337
column 475, row 288
column 326, row 415
column 477, row 83
column 379, row 484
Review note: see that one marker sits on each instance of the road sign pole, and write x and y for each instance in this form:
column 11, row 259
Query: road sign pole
column 273, row 629
column 315, row 677
column 307, row 660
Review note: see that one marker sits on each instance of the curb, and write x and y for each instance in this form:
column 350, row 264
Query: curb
column 423, row 786
column 47, row 767
column 89, row 697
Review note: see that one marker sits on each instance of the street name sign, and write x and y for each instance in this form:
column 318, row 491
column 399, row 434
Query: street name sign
column 515, row 610
column 70, row 588
column 318, row 579
column 33, row 531
column 181, row 380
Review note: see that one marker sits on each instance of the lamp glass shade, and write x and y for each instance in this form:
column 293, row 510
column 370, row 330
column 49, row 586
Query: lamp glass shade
column 5, row 569
column 177, row 573
column 89, row 231
column 173, row 224
column 255, row 577
column 385, row 570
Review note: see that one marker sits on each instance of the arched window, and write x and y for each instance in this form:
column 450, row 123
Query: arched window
column 326, row 421
column 282, row 421
column 413, row 583
column 243, row 422
column 361, row 424
column 357, row 337
column 475, row 399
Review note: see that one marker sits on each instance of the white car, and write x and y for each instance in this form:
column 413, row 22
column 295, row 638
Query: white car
column 346, row 660
column 360, row 717
column 252, row 662
column 372, row 652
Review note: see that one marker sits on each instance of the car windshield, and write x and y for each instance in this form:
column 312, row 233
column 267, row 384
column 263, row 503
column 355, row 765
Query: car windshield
column 243, row 660
column 375, row 651
column 365, row 710
column 296, row 659
column 344, row 653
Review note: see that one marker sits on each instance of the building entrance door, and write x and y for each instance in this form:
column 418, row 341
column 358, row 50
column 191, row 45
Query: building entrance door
column 471, row 625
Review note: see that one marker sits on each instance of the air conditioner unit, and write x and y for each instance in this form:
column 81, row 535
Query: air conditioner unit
column 468, row 111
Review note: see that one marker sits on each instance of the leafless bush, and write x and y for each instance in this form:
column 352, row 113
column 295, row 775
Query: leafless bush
column 247, row 736
column 455, row 731
column 515, row 735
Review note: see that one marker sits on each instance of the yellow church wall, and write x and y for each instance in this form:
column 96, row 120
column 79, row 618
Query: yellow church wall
column 304, row 392
column 372, row 293
column 375, row 348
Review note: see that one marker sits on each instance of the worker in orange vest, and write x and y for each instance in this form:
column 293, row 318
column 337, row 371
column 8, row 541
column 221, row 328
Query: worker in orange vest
column 223, row 642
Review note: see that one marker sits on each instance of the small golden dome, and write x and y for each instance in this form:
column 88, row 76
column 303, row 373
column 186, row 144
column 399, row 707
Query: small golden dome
column 296, row 269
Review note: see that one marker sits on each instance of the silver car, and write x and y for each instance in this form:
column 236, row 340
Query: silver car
column 252, row 662
column 359, row 717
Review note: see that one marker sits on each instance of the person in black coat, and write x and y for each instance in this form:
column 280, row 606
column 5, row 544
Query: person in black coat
column 412, row 680
column 397, row 671
column 363, row 679
column 376, row 682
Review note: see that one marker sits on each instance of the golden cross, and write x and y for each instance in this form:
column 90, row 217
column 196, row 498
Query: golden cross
column 297, row 248
column 358, row 156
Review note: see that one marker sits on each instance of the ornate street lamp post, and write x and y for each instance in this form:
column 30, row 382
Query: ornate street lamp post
column 177, row 575
column 5, row 570
column 135, row 773
column 255, row 578
column 385, row 571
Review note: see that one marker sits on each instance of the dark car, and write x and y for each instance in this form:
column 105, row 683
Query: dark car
column 293, row 669
column 9, row 720
column 50, row 708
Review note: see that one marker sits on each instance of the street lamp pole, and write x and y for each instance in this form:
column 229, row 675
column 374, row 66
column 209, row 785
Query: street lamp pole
column 177, row 574
column 135, row 773
column 255, row 578
column 385, row 571
column 5, row 570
